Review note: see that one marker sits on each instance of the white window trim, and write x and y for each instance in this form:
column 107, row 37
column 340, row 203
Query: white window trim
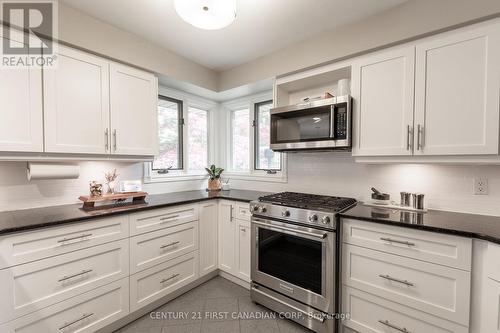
column 188, row 100
column 249, row 102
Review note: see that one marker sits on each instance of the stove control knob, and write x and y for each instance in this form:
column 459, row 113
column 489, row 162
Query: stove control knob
column 325, row 220
column 285, row 213
column 262, row 209
column 255, row 208
column 313, row 218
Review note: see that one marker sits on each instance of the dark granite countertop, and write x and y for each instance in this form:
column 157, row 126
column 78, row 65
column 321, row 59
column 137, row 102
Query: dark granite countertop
column 459, row 224
column 23, row 220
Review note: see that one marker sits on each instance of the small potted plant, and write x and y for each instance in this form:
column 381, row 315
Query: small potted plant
column 214, row 182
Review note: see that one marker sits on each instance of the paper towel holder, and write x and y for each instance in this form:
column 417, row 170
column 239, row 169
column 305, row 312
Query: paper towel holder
column 48, row 171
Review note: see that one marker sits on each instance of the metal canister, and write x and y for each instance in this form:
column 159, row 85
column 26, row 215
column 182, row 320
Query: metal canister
column 405, row 199
column 420, row 201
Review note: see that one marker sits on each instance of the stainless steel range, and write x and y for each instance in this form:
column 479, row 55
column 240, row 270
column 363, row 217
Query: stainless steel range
column 294, row 256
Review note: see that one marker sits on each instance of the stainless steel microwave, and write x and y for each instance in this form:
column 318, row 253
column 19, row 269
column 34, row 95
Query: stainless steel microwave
column 318, row 125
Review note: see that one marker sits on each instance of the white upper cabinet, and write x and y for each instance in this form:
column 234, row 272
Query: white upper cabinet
column 21, row 119
column 134, row 95
column 457, row 92
column 76, row 103
column 383, row 91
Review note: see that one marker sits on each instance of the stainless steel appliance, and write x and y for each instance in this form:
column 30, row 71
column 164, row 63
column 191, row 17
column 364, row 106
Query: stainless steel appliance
column 322, row 124
column 294, row 256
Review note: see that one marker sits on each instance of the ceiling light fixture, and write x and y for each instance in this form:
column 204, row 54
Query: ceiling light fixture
column 207, row 14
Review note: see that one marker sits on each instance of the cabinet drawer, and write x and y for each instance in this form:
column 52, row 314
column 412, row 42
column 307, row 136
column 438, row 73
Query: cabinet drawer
column 148, row 250
column 422, row 245
column 435, row 289
column 154, row 283
column 372, row 314
column 27, row 288
column 87, row 312
column 35, row 245
column 242, row 211
column 162, row 218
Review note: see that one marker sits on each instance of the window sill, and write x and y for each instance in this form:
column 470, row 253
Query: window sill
column 180, row 177
column 277, row 178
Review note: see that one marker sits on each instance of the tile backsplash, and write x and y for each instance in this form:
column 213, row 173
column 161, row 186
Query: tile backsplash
column 446, row 187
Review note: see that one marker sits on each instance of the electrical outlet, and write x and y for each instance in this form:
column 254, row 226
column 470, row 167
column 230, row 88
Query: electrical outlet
column 480, row 186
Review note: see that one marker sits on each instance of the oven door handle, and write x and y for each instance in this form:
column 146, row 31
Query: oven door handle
column 321, row 320
column 290, row 230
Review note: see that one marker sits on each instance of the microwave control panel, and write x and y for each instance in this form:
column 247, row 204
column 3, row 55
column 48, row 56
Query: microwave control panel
column 341, row 122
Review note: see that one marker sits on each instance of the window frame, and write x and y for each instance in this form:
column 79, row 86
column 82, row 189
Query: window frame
column 180, row 115
column 189, row 100
column 253, row 174
column 255, row 125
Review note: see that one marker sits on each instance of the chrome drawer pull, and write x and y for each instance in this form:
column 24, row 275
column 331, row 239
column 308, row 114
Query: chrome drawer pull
column 168, row 279
column 397, row 241
column 169, row 217
column 83, row 317
column 388, row 277
column 75, row 275
column 388, row 324
column 64, row 240
column 168, row 245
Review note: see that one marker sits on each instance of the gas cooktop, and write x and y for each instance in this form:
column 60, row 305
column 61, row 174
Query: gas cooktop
column 309, row 201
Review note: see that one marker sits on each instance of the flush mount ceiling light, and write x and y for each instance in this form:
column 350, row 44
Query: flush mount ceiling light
column 207, row 14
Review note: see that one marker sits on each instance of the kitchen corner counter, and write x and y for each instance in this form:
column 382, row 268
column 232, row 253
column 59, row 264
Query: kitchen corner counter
column 459, row 224
column 29, row 219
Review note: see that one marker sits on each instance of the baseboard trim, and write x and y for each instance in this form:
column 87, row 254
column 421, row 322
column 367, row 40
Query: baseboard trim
column 234, row 279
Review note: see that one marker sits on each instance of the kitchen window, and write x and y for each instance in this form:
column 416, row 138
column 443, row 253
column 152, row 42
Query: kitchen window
column 185, row 135
column 170, row 125
column 265, row 158
column 249, row 156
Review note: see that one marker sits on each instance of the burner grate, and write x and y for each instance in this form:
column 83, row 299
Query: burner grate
column 309, row 201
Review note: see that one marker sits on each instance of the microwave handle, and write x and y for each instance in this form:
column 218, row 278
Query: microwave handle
column 332, row 121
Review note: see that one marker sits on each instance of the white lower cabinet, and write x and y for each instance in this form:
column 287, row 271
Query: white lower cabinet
column 148, row 250
column 86, row 312
column 244, row 243
column 492, row 306
column 154, row 283
column 208, row 230
column 234, row 239
column 372, row 314
column 27, row 288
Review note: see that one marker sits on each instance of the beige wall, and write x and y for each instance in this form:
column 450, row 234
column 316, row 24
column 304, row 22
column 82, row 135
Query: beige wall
column 411, row 19
column 78, row 28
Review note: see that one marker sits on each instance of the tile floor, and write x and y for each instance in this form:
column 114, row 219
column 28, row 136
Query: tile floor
column 215, row 296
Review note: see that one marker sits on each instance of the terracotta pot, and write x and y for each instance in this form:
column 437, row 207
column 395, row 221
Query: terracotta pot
column 214, row 184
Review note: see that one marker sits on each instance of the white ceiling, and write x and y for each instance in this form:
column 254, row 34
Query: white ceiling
column 261, row 26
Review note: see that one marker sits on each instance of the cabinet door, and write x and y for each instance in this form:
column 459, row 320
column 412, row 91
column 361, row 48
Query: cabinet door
column 457, row 92
column 208, row 237
column 76, row 103
column 133, row 111
column 383, row 91
column 21, row 120
column 492, row 308
column 227, row 238
column 244, row 243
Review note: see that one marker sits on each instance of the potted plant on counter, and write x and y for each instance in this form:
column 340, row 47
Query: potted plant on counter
column 214, row 182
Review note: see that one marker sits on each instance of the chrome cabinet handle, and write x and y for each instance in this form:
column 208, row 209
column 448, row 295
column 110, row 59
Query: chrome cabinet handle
column 397, row 241
column 420, row 137
column 106, row 139
column 390, row 278
column 84, row 316
column 169, row 217
column 231, row 213
column 321, row 236
column 168, row 279
column 114, row 138
column 168, row 245
column 64, row 240
column 75, row 275
column 409, row 134
column 388, row 324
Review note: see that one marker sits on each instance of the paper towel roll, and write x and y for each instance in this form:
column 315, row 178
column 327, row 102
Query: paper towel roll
column 52, row 171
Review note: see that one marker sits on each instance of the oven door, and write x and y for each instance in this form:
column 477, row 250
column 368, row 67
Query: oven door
column 296, row 261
